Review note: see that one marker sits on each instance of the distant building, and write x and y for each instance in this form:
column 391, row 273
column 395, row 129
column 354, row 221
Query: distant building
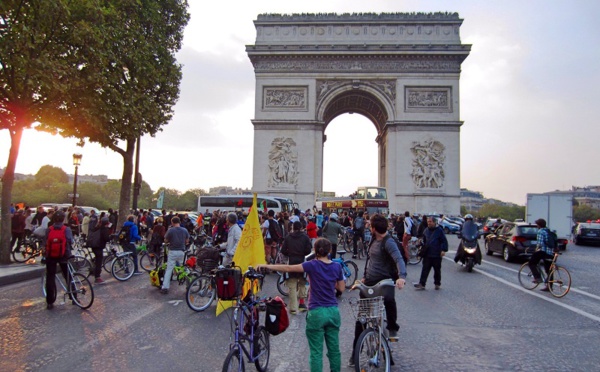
column 474, row 200
column 228, row 190
column 586, row 195
column 88, row 178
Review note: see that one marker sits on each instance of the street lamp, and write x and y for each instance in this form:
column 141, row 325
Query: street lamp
column 76, row 163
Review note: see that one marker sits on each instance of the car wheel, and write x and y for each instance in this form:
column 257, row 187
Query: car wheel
column 488, row 250
column 506, row 254
column 576, row 241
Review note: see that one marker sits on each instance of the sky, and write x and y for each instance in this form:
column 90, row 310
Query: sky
column 528, row 91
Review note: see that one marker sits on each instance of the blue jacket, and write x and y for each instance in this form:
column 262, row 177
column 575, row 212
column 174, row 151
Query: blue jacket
column 134, row 235
column 435, row 241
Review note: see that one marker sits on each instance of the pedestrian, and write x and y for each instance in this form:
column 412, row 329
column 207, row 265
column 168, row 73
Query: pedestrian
column 384, row 261
column 28, row 223
column 99, row 236
column 62, row 236
column 323, row 319
column 358, row 226
column 177, row 237
column 233, row 238
column 408, row 225
column 157, row 238
column 311, row 229
column 134, row 237
column 436, row 246
column 331, row 230
column 296, row 246
column 17, row 228
column 422, row 227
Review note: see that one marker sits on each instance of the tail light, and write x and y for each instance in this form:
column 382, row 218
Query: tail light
column 519, row 239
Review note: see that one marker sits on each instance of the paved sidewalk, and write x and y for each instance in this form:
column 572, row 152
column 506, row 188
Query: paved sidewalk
column 18, row 272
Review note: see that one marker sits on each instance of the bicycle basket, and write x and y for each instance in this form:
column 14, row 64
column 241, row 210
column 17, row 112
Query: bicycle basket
column 208, row 265
column 367, row 308
column 229, row 283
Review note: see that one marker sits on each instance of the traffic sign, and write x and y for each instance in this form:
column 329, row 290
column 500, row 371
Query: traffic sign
column 71, row 195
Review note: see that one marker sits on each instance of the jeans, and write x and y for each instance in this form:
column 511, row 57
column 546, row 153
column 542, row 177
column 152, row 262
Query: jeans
column 297, row 288
column 50, row 277
column 174, row 258
column 536, row 257
column 98, row 257
column 131, row 248
column 324, row 323
column 436, row 264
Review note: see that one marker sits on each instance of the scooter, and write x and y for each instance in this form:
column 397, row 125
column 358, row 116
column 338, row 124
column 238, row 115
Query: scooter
column 470, row 254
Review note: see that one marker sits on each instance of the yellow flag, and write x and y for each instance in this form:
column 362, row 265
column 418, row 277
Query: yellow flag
column 250, row 251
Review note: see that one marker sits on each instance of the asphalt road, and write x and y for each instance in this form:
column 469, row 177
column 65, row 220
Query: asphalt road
column 480, row 321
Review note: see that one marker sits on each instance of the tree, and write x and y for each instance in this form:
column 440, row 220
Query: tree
column 40, row 42
column 139, row 82
column 582, row 213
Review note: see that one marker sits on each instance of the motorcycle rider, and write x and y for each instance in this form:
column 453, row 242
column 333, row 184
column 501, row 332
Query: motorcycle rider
column 467, row 228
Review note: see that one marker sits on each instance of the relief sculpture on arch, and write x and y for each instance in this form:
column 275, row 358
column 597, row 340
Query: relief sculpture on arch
column 283, row 163
column 428, row 164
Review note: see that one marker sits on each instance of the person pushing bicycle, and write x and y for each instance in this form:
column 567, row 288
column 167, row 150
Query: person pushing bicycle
column 542, row 252
column 384, row 261
column 64, row 232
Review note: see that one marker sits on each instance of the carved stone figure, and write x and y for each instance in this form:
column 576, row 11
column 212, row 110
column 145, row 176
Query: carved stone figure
column 283, row 163
column 428, row 164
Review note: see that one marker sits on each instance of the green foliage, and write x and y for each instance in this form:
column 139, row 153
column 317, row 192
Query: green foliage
column 582, row 213
column 510, row 213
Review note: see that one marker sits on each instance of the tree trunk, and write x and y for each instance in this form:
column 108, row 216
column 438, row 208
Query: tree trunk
column 7, row 184
column 125, row 198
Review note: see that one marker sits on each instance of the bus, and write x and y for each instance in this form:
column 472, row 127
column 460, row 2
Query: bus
column 370, row 199
column 237, row 202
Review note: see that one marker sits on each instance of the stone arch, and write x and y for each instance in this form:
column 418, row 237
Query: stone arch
column 400, row 70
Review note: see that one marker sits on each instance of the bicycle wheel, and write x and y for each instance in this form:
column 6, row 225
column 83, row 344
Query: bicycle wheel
column 234, row 362
column 147, row 261
column 526, row 277
column 122, row 268
column 201, row 293
column 371, row 352
column 262, row 349
column 82, row 292
column 560, row 282
column 350, row 273
column 23, row 252
column 81, row 265
column 414, row 258
column 282, row 287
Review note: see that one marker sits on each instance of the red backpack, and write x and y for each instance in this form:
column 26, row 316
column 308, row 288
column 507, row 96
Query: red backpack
column 56, row 245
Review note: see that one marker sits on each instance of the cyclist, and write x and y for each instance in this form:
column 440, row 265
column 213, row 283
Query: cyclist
column 57, row 220
column 233, row 238
column 384, row 261
column 177, row 237
column 542, row 252
column 331, row 230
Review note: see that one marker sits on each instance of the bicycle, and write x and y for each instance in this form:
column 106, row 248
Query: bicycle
column 246, row 321
column 122, row 266
column 80, row 290
column 558, row 281
column 201, row 292
column 349, row 269
column 414, row 248
column 28, row 248
column 372, row 350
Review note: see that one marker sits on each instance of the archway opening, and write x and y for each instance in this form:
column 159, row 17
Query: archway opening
column 350, row 154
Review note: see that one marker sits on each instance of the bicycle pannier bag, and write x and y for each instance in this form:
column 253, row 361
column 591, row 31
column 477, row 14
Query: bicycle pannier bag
column 125, row 235
column 56, row 245
column 157, row 276
column 229, row 284
column 277, row 320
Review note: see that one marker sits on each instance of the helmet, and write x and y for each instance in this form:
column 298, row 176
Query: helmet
column 468, row 216
column 333, row 216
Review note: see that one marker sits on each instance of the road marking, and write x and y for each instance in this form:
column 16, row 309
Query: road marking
column 532, row 293
column 175, row 302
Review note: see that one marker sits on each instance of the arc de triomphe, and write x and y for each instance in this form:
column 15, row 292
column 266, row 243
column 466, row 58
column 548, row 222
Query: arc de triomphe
column 400, row 70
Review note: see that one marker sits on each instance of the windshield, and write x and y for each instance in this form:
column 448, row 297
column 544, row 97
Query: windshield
column 470, row 230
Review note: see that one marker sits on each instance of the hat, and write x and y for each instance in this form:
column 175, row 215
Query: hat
column 333, row 216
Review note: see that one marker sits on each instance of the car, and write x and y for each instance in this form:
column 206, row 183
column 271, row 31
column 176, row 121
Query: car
column 449, row 227
column 491, row 224
column 586, row 233
column 512, row 240
column 86, row 209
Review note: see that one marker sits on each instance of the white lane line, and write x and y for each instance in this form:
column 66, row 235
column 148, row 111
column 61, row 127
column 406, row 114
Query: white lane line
column 532, row 293
column 584, row 293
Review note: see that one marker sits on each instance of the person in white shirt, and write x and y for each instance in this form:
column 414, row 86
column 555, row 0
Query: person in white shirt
column 233, row 238
column 408, row 224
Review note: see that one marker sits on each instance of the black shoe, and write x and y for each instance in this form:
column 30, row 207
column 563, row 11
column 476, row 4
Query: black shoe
column 354, row 256
column 545, row 289
column 392, row 333
column 351, row 362
column 49, row 306
column 419, row 287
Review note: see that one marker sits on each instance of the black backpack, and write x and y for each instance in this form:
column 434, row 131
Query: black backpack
column 125, row 235
column 552, row 239
column 359, row 224
column 413, row 228
column 275, row 231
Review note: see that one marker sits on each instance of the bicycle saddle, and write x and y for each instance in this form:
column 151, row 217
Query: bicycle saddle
column 380, row 289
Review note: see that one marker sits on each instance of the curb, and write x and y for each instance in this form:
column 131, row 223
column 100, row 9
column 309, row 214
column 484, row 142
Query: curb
column 21, row 276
